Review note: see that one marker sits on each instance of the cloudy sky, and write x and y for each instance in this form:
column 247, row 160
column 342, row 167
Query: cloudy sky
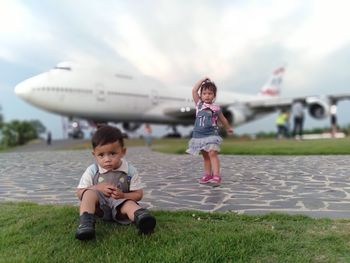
column 236, row 43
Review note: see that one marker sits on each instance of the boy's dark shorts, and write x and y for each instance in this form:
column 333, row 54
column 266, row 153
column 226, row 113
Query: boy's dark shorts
column 109, row 209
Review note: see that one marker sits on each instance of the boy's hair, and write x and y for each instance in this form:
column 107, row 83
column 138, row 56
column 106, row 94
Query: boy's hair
column 107, row 134
column 208, row 85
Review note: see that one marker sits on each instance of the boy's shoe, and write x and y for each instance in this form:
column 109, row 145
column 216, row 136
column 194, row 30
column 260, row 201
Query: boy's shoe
column 144, row 221
column 86, row 228
column 205, row 179
column 215, row 181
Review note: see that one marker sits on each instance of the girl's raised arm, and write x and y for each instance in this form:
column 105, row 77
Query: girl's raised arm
column 196, row 88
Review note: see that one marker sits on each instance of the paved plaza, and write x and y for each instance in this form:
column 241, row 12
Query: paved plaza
column 318, row 186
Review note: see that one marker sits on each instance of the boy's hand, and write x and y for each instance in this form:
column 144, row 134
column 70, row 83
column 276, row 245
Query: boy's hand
column 117, row 194
column 106, row 189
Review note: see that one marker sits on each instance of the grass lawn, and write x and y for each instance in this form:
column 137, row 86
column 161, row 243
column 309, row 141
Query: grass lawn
column 264, row 146
column 250, row 147
column 244, row 146
column 45, row 233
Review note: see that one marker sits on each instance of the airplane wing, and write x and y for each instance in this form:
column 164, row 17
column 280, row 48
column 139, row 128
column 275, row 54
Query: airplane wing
column 243, row 111
column 338, row 97
column 173, row 113
column 182, row 112
column 317, row 106
column 271, row 103
column 280, row 102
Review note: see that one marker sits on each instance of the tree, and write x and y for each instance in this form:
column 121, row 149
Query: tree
column 1, row 119
column 18, row 133
column 38, row 126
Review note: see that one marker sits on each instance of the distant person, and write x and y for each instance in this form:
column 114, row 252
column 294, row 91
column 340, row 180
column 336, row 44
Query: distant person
column 148, row 134
column 205, row 136
column 49, row 138
column 287, row 124
column 281, row 123
column 298, row 118
column 111, row 188
column 333, row 112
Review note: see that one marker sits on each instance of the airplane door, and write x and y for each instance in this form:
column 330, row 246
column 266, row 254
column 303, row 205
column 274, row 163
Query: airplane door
column 100, row 92
column 154, row 97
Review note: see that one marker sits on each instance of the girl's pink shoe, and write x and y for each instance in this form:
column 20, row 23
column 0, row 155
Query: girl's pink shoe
column 215, row 181
column 205, row 179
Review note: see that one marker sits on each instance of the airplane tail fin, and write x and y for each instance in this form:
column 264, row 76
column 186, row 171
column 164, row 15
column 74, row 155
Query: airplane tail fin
column 272, row 87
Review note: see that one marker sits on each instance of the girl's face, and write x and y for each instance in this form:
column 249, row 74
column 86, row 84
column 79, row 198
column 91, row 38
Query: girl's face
column 207, row 96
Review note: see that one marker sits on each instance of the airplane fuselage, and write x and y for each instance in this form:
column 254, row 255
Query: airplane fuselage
column 100, row 96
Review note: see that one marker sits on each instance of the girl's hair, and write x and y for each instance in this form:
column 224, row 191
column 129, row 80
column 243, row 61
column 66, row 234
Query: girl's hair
column 208, row 85
column 105, row 135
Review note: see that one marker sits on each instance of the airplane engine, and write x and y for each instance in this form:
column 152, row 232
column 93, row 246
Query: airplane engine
column 130, row 127
column 234, row 115
column 318, row 108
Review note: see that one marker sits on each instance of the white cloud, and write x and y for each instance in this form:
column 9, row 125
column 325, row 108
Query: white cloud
column 19, row 29
column 12, row 17
column 237, row 43
column 203, row 39
column 324, row 30
column 133, row 43
column 7, row 54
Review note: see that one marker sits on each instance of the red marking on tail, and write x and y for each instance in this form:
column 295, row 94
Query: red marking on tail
column 278, row 71
column 270, row 92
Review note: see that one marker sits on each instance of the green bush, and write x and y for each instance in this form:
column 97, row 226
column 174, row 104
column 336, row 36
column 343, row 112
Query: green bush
column 17, row 133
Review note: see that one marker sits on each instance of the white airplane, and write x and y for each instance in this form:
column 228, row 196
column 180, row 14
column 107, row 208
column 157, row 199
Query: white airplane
column 97, row 95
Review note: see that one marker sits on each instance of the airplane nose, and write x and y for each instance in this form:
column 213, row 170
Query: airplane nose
column 22, row 89
column 25, row 88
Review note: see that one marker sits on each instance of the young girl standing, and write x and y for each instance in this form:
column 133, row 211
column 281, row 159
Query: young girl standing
column 205, row 135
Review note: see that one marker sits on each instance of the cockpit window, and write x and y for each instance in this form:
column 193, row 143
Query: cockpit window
column 123, row 76
column 64, row 68
column 65, row 65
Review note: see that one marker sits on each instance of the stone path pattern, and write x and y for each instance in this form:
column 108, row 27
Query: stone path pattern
column 317, row 186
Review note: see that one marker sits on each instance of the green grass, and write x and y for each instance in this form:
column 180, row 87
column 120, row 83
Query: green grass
column 246, row 146
column 251, row 147
column 128, row 143
column 265, row 146
column 45, row 233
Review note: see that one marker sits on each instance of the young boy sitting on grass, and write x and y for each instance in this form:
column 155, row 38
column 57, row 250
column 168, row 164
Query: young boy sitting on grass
column 111, row 187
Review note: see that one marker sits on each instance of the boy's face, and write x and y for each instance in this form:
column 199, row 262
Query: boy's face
column 109, row 156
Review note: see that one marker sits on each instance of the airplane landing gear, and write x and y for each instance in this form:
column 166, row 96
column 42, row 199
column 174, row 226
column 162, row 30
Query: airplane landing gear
column 75, row 131
column 174, row 134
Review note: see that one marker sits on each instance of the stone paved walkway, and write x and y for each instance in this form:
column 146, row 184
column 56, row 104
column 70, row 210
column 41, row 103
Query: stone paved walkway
column 318, row 186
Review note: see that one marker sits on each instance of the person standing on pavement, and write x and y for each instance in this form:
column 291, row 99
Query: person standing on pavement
column 333, row 112
column 205, row 136
column 49, row 138
column 282, row 124
column 148, row 135
column 298, row 118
